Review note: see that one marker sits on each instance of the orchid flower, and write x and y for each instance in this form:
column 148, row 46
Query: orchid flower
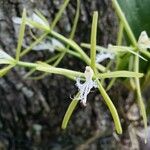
column 85, row 88
column 34, row 18
column 44, row 45
column 143, row 41
column 104, row 55
column 50, row 45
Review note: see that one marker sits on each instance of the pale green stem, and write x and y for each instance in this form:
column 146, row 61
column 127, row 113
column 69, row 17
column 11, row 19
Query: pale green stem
column 50, row 69
column 120, row 34
column 119, row 42
column 34, row 69
column 140, row 99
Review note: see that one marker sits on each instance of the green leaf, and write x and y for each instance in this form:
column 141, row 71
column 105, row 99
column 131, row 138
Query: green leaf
column 137, row 13
column 111, row 108
column 50, row 69
column 124, row 22
column 93, row 40
column 140, row 99
column 120, row 34
column 69, row 111
column 146, row 53
column 59, row 14
column 5, row 70
column 21, row 34
column 120, row 74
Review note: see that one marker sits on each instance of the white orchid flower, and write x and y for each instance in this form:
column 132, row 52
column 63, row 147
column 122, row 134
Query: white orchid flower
column 50, row 45
column 44, row 45
column 143, row 41
column 35, row 18
column 85, row 88
column 105, row 54
column 5, row 58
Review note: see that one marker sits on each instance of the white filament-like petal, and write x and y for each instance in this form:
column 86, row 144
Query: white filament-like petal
column 85, row 88
column 18, row 21
column 39, row 20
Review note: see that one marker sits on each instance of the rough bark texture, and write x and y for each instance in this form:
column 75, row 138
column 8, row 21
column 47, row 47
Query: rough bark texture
column 31, row 111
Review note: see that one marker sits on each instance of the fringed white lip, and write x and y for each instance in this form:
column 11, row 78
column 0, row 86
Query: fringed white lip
column 85, row 88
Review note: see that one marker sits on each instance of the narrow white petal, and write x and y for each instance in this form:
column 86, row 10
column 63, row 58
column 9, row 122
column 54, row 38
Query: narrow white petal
column 44, row 46
column 48, row 45
column 57, row 43
column 5, row 58
column 37, row 19
column 16, row 20
column 103, row 56
column 4, row 55
column 143, row 41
